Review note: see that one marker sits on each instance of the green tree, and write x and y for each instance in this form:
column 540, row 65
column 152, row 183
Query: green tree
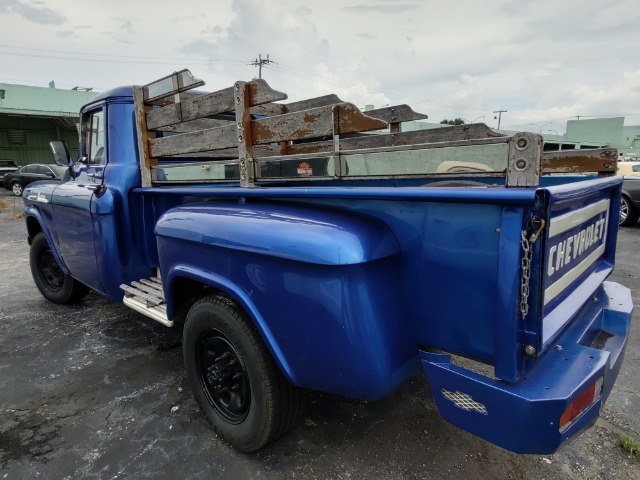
column 455, row 121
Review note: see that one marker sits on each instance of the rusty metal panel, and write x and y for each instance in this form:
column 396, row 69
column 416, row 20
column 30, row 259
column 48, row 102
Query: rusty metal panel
column 312, row 123
column 600, row 160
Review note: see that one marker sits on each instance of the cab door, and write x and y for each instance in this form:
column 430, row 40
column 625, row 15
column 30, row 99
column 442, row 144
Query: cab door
column 72, row 201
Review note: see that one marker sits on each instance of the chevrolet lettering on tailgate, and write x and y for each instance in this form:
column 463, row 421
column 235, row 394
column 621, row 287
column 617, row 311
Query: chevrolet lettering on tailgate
column 576, row 240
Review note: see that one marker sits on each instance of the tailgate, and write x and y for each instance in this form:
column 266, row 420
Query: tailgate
column 579, row 248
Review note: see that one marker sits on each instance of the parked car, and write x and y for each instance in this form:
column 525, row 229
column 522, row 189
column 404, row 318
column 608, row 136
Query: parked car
column 628, row 168
column 7, row 166
column 630, row 203
column 16, row 181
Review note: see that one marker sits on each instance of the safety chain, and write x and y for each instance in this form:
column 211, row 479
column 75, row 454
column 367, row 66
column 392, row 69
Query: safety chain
column 527, row 255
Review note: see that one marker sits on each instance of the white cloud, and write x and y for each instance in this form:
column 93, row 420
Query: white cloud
column 540, row 60
column 37, row 14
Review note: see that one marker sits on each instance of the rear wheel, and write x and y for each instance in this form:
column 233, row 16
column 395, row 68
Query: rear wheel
column 16, row 188
column 240, row 389
column 628, row 213
column 54, row 285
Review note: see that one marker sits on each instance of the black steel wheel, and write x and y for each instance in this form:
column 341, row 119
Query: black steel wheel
column 240, row 389
column 223, row 376
column 628, row 214
column 54, row 285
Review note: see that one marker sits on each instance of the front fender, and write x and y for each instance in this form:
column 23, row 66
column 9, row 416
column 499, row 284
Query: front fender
column 35, row 224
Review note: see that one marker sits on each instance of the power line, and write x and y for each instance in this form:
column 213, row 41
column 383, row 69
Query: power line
column 261, row 62
column 133, row 57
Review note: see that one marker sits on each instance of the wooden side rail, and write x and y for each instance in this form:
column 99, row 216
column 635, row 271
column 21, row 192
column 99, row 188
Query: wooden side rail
column 247, row 133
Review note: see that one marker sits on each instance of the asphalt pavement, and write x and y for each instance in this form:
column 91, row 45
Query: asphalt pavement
column 96, row 390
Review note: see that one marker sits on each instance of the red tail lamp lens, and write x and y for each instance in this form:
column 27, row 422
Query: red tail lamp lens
column 580, row 404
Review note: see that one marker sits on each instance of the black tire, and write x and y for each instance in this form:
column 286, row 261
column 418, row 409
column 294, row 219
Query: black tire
column 239, row 387
column 16, row 189
column 54, row 285
column 628, row 213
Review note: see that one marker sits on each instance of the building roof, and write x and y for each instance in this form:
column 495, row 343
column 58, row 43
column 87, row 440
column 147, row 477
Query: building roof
column 42, row 102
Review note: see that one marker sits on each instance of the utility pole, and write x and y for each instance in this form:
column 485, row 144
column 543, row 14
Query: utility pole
column 259, row 62
column 499, row 117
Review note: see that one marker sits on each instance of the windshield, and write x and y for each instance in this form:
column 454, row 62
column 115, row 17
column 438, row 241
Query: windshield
column 58, row 170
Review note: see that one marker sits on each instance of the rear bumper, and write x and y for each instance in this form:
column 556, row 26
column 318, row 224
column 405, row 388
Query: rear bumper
column 524, row 416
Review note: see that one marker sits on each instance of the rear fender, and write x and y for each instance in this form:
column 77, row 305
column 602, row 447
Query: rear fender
column 322, row 287
column 227, row 287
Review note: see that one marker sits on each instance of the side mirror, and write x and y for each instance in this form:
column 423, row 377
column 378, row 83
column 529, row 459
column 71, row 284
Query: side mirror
column 60, row 153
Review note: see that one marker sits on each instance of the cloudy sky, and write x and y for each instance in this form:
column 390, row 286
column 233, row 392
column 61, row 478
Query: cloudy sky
column 544, row 61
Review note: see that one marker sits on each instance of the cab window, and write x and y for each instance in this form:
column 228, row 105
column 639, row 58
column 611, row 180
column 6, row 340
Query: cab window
column 93, row 139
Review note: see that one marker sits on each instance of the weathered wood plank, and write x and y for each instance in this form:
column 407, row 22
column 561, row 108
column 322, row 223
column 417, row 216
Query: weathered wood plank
column 199, row 141
column 434, row 135
column 313, row 123
column 601, row 160
column 193, row 125
column 211, row 104
column 315, row 102
column 396, row 114
column 271, row 109
column 259, row 151
column 143, row 135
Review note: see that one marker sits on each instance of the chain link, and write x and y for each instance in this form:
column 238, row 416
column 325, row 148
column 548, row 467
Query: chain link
column 527, row 256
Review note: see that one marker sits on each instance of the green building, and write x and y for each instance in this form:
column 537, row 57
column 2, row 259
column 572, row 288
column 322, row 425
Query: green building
column 30, row 117
column 596, row 133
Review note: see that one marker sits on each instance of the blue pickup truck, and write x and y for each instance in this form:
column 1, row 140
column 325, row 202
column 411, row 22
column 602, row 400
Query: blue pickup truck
column 309, row 245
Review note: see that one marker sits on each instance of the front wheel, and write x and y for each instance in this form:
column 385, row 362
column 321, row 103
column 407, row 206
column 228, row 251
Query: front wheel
column 54, row 285
column 628, row 213
column 16, row 188
column 240, row 389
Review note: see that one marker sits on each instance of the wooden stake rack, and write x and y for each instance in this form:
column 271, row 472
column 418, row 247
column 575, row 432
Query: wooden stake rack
column 245, row 134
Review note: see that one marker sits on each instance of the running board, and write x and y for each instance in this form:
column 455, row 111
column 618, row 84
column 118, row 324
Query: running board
column 146, row 296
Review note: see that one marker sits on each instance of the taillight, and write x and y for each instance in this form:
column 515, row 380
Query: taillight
column 580, row 404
